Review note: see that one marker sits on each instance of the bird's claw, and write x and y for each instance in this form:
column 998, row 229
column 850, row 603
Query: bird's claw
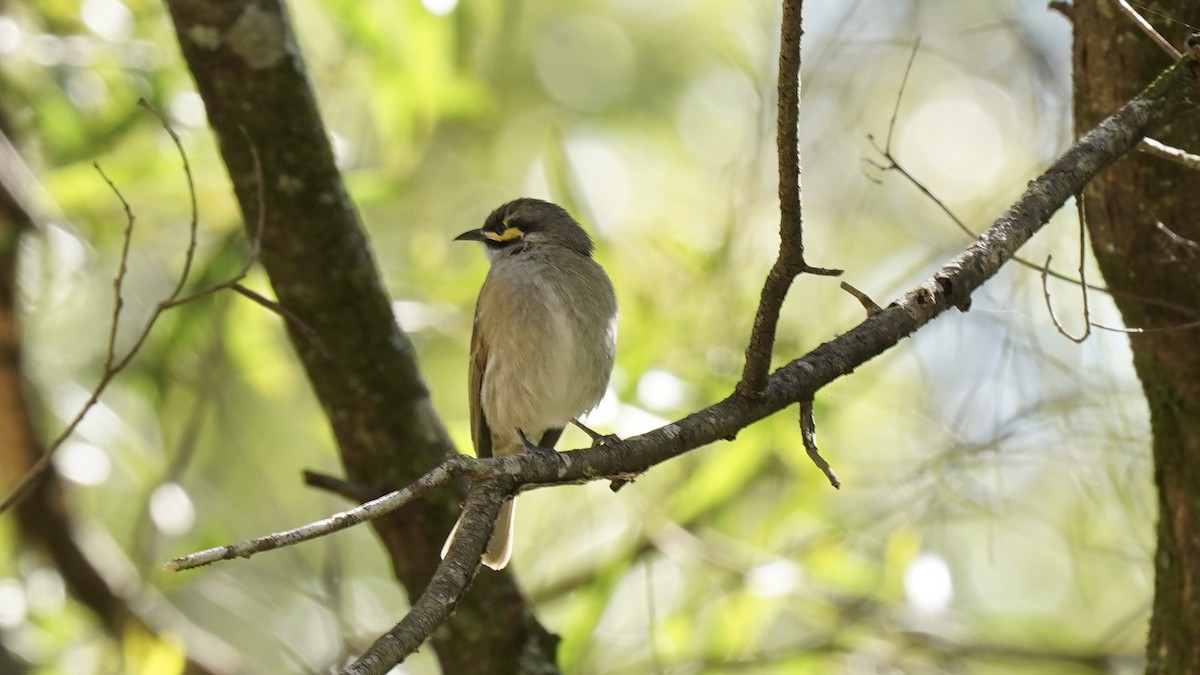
column 610, row 440
column 530, row 446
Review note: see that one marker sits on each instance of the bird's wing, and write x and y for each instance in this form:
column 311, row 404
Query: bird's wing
column 481, row 434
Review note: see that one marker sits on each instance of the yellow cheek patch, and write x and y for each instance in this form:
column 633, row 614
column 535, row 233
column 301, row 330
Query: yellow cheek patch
column 508, row 234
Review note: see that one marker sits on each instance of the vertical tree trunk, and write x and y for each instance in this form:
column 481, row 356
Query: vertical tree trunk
column 1124, row 206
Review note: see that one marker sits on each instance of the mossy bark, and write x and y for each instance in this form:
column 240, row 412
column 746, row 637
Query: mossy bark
column 1125, row 206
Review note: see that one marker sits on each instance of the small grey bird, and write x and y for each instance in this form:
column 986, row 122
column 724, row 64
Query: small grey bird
column 543, row 343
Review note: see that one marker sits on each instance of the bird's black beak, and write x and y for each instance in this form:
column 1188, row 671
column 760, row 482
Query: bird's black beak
column 471, row 235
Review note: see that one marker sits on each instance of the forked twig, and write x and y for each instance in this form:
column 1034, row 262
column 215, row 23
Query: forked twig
column 112, row 364
column 790, row 261
column 1087, row 314
column 893, row 164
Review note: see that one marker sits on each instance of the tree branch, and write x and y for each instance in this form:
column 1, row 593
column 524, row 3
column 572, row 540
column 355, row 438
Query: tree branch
column 791, row 222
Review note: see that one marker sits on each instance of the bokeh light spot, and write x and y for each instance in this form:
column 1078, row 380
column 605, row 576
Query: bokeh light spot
column 171, row 509
column 928, row 584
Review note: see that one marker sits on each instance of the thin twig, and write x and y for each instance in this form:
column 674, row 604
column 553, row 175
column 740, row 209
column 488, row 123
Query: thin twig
column 112, row 365
column 1149, row 30
column 1054, row 319
column 1164, row 151
column 863, row 299
column 190, row 256
column 122, row 269
column 912, row 57
column 455, row 466
column 1087, row 314
column 893, row 164
column 808, row 431
column 352, row 490
column 1192, row 247
column 1160, row 329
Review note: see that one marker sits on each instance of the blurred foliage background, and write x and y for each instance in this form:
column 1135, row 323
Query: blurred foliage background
column 997, row 509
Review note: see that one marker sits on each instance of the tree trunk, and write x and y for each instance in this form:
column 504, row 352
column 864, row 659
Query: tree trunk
column 1124, row 206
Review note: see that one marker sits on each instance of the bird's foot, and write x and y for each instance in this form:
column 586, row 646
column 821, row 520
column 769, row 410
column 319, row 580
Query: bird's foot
column 597, row 437
column 530, row 446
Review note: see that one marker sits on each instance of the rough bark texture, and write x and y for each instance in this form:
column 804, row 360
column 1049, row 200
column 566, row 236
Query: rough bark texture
column 1112, row 59
column 249, row 71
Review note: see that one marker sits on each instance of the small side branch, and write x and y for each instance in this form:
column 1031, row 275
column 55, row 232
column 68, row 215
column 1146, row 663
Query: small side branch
column 863, row 299
column 892, row 163
column 114, row 365
column 808, row 431
column 455, row 466
column 1087, row 330
column 1150, row 31
column 1164, row 151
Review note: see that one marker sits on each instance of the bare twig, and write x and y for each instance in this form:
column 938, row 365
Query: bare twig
column 808, row 431
column 282, row 311
column 1164, row 151
column 1191, row 325
column 863, row 299
column 893, row 164
column 455, row 466
column 1149, row 30
column 791, row 222
column 1193, row 248
column 1087, row 330
column 1087, row 314
column 190, row 256
column 122, row 269
column 912, row 57
column 113, row 365
column 349, row 489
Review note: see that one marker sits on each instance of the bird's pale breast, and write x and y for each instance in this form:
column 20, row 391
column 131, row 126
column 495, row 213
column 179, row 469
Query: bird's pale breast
column 550, row 357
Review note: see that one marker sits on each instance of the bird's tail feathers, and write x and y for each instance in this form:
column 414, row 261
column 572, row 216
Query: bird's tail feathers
column 499, row 548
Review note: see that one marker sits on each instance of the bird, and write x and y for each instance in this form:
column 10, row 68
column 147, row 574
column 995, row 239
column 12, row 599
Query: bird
column 543, row 341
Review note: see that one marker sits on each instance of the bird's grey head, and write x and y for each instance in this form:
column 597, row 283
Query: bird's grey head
column 529, row 222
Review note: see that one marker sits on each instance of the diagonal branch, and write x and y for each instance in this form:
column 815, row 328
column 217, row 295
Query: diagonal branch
column 455, row 466
column 446, row 588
